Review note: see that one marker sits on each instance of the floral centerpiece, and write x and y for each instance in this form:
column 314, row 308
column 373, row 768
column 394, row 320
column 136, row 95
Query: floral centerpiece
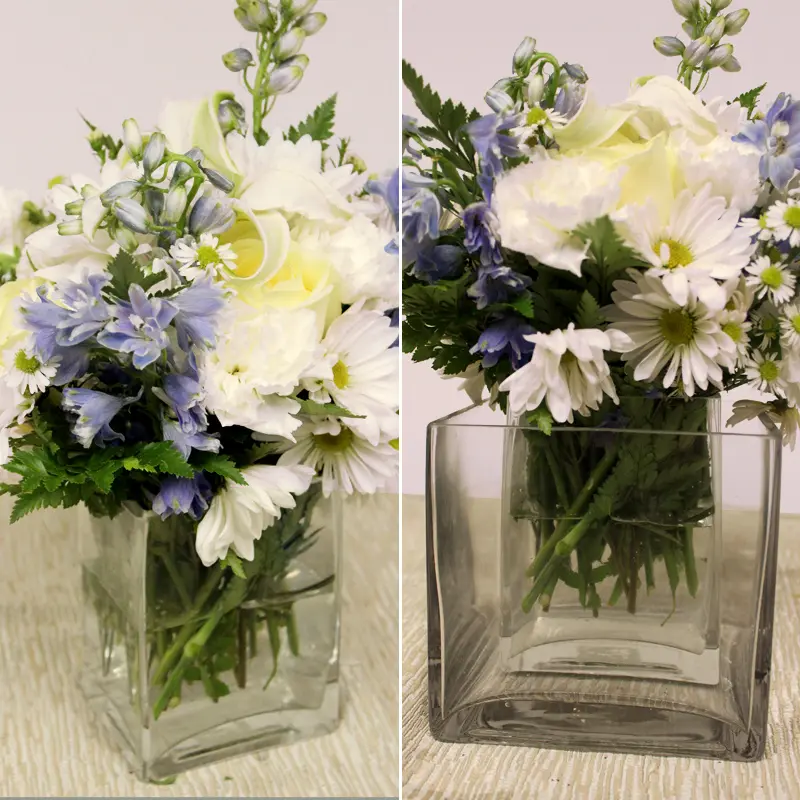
column 197, row 347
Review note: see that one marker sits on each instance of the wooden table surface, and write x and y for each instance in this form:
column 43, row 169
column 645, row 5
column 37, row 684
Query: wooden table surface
column 436, row 771
column 50, row 746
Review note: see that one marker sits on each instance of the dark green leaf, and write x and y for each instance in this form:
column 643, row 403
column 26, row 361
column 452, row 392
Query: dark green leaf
column 124, row 271
column 220, row 465
column 588, row 313
column 523, row 305
column 165, row 458
column 318, row 124
column 606, row 248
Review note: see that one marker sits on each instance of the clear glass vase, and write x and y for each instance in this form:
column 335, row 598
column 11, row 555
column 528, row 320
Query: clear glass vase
column 186, row 665
column 603, row 588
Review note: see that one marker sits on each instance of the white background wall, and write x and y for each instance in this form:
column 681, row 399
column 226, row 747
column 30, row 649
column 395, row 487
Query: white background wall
column 612, row 39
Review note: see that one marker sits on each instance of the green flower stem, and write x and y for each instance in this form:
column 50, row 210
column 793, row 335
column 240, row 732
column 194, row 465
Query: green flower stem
column 549, row 589
column 240, row 673
column 166, row 559
column 599, row 473
column 542, row 581
column 569, row 542
column 672, row 570
column 689, row 563
column 616, row 592
column 292, row 634
column 274, row 633
column 648, row 565
column 558, row 478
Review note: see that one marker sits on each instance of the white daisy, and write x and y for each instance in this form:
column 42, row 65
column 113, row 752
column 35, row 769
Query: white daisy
column 790, row 326
column 784, row 219
column 771, row 280
column 568, row 370
column 757, row 228
column 26, row 373
column 348, row 463
column 735, row 324
column 239, row 513
column 767, row 373
column 196, row 258
column 685, row 338
column 536, row 121
column 699, row 245
column 783, row 414
column 365, row 373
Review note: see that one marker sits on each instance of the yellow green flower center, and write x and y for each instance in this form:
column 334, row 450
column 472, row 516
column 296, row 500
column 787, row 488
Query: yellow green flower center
column 796, row 323
column 768, row 371
column 792, row 216
column 334, row 443
column 25, row 363
column 679, row 255
column 537, row 116
column 677, row 327
column 394, row 444
column 734, row 330
column 207, row 255
column 772, row 277
column 341, row 377
column 762, row 222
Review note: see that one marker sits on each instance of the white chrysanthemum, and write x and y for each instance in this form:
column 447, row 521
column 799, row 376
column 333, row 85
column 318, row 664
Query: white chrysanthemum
column 365, row 374
column 784, row 219
column 699, row 245
column 568, row 371
column 785, row 416
column 771, row 280
column 686, row 339
column 539, row 204
column 14, row 226
column 348, row 463
column 730, row 169
column 767, row 373
column 757, row 228
column 790, row 327
column 25, row 373
column 240, row 513
column 258, row 362
column 198, row 258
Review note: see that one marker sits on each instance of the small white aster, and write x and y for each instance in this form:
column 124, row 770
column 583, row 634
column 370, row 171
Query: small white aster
column 784, row 219
column 790, row 326
column 771, row 280
column 26, row 373
column 735, row 324
column 757, row 228
column 767, row 373
column 197, row 258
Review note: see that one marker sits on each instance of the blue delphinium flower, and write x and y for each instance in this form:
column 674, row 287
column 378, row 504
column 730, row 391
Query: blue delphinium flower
column 421, row 209
column 480, row 233
column 139, row 327
column 389, row 190
column 91, row 413
column 493, row 141
column 198, row 307
column 436, row 262
column 506, row 338
column 183, row 496
column 410, row 130
column 496, row 284
column 186, row 441
column 394, row 317
column 777, row 136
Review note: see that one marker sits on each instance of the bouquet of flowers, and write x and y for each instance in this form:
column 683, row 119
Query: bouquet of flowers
column 610, row 268
column 203, row 332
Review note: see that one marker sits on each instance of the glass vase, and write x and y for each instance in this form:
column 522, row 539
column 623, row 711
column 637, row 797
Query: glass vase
column 604, row 586
column 186, row 665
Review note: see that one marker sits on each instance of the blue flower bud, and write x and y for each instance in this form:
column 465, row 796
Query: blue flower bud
column 535, row 89
column 118, row 191
column 289, row 44
column 210, row 216
column 126, row 240
column 697, row 52
column 669, row 45
column 231, row 117
column 686, row 7
column 72, row 227
column 576, row 72
column 238, row 59
column 284, row 80
column 498, row 101
column 132, row 137
column 132, row 215
column 523, row 55
column 716, row 29
column 735, row 21
column 218, row 179
column 154, row 152
column 175, row 205
column 74, row 208
column 154, row 202
column 719, row 55
column 732, row 65
column 312, row 23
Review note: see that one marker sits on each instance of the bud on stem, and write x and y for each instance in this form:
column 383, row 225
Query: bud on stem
column 735, row 21
column 697, row 52
column 669, row 46
column 132, row 137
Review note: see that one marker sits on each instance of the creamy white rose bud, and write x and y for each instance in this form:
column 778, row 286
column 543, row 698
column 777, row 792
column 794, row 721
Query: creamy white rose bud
column 312, row 23
column 716, row 29
column 669, row 45
column 535, row 89
column 132, row 137
column 735, row 21
column 289, row 44
column 719, row 55
column 521, row 62
column 175, row 205
column 284, row 80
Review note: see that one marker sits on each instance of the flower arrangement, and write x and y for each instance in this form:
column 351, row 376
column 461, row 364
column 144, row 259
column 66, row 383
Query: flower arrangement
column 205, row 332
column 610, row 267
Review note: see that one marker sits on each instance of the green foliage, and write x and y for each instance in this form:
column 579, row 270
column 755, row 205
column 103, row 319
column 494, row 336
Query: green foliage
column 124, row 271
column 608, row 254
column 542, row 419
column 749, row 100
column 221, row 465
column 318, row 124
column 588, row 313
column 234, row 563
column 315, row 409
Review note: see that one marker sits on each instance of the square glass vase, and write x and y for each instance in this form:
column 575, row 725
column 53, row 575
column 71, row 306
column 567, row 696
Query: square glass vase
column 603, row 588
column 185, row 665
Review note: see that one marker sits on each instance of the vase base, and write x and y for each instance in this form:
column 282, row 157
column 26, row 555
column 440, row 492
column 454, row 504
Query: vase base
column 597, row 727
column 159, row 753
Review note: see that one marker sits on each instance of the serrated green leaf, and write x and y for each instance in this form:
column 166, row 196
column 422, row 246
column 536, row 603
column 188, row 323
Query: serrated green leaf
column 314, row 409
column 124, row 271
column 26, row 503
column 523, row 306
column 318, row 124
column 588, row 313
column 749, row 100
column 234, row 563
column 607, row 250
column 221, row 465
column 165, row 458
column 542, row 419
